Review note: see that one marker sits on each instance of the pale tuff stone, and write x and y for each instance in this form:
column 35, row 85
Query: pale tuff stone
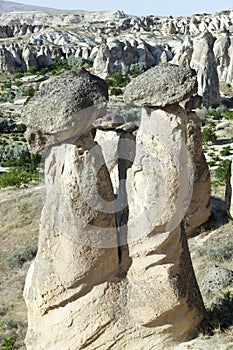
column 166, row 297
column 72, row 273
column 108, row 141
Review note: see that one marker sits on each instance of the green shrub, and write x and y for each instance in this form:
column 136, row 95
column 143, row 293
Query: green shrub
column 15, row 138
column 118, row 80
column 116, row 91
column 8, row 343
column 30, row 92
column 225, row 151
column 32, row 70
column 9, row 323
column 208, row 135
column 211, row 163
column 18, row 258
column 18, row 83
column 6, row 125
column 3, row 142
column 17, row 155
column 221, row 251
column 220, row 314
column 217, row 115
column 228, row 115
column 15, row 177
column 20, row 128
column 137, row 69
column 221, row 171
column 76, row 62
column 7, row 84
column 8, row 96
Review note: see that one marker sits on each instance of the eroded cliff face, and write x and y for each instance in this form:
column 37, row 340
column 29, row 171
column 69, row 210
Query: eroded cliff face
column 114, row 271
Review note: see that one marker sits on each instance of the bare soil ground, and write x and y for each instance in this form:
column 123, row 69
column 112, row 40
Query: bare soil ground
column 20, row 212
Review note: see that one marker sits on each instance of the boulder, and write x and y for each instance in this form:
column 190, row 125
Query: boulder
column 73, row 101
column 163, row 85
column 216, row 279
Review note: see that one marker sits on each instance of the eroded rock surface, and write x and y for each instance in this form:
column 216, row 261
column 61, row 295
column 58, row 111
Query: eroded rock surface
column 162, row 85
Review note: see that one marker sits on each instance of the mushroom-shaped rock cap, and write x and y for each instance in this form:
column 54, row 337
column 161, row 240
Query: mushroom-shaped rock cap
column 163, row 85
column 72, row 99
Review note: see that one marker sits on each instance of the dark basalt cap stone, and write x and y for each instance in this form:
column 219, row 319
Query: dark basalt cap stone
column 162, row 85
column 72, row 99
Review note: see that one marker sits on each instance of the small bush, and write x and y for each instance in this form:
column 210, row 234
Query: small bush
column 211, row 163
column 118, row 80
column 20, row 128
column 221, row 251
column 220, row 314
column 217, row 115
column 116, row 91
column 9, row 323
column 8, row 343
column 32, row 70
column 18, row 83
column 228, row 115
column 208, row 135
column 18, row 258
column 15, row 177
column 30, row 92
column 225, row 151
column 3, row 142
column 221, row 171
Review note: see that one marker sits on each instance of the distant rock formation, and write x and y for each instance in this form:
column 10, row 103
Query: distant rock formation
column 10, row 6
column 116, row 42
column 93, row 282
column 203, row 61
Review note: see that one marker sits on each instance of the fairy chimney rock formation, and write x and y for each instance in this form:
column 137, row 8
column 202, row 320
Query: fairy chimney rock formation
column 102, row 279
column 164, row 91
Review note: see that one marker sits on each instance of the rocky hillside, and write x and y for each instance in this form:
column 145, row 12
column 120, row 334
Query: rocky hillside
column 115, row 42
column 10, row 6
